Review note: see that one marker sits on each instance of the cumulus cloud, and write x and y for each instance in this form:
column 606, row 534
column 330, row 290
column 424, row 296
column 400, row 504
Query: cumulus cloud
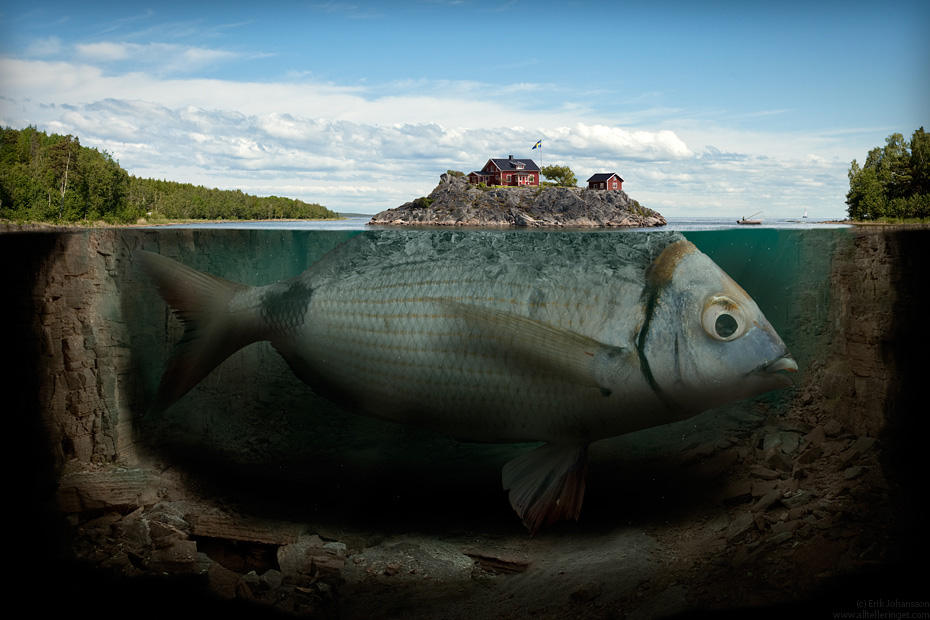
column 369, row 148
column 741, row 186
column 163, row 58
column 106, row 51
column 602, row 140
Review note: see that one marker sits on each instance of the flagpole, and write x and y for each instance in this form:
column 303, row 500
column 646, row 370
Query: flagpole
column 538, row 146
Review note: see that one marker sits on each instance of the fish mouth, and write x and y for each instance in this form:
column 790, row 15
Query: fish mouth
column 779, row 367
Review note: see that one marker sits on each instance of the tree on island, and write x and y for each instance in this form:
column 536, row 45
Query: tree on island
column 561, row 176
column 894, row 181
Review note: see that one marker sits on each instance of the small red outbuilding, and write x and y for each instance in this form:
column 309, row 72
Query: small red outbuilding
column 605, row 180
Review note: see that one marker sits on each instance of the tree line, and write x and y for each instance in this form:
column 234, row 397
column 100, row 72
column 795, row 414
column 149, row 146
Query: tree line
column 894, row 181
column 53, row 178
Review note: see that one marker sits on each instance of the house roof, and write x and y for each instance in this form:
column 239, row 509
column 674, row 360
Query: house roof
column 506, row 163
column 603, row 176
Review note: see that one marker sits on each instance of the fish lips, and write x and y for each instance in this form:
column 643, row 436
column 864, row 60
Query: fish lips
column 778, row 366
column 782, row 369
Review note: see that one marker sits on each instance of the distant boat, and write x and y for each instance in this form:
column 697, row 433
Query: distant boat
column 805, row 214
column 749, row 221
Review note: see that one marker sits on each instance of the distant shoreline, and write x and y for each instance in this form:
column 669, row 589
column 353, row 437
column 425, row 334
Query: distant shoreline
column 11, row 226
column 908, row 224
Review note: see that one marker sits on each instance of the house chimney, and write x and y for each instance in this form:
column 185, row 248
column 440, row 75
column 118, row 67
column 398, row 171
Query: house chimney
column 510, row 157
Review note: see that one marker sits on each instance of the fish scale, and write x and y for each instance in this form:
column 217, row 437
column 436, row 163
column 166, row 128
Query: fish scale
column 396, row 346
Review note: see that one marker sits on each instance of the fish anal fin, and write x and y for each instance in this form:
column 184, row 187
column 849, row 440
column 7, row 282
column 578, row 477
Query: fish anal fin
column 547, row 484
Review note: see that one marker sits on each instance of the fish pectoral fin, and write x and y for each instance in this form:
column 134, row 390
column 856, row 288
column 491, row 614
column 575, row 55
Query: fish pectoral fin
column 567, row 354
column 547, row 484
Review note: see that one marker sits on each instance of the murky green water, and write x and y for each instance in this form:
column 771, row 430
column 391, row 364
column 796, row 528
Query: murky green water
column 843, row 446
column 253, row 417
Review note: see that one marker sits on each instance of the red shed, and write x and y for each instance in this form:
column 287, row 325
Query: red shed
column 605, row 180
column 510, row 171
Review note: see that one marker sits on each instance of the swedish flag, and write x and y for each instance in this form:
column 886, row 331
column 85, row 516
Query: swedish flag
column 538, row 145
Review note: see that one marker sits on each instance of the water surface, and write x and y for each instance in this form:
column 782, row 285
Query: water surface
column 359, row 222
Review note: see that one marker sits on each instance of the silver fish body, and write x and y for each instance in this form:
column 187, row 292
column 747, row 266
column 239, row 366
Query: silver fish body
column 452, row 331
column 490, row 336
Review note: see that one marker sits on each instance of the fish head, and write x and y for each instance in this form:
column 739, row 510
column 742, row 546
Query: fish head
column 704, row 340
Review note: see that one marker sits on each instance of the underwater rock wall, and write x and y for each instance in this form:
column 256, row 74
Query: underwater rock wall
column 77, row 340
column 870, row 281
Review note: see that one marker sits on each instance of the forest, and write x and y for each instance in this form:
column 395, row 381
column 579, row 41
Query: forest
column 52, row 178
column 894, row 181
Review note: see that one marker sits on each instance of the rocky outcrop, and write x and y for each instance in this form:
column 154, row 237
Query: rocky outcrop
column 456, row 202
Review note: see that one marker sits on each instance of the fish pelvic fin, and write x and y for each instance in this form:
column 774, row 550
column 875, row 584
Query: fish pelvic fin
column 211, row 332
column 547, row 484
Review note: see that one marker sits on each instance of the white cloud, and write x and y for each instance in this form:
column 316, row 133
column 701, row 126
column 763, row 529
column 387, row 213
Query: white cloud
column 49, row 46
column 601, row 140
column 370, row 148
column 105, row 51
column 163, row 58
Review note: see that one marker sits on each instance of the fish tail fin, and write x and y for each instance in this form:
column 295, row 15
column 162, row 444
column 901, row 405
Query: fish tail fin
column 211, row 333
column 547, row 484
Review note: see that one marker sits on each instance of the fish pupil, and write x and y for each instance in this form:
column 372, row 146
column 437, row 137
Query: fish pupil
column 725, row 325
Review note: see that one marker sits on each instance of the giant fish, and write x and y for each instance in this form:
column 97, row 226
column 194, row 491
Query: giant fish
column 491, row 336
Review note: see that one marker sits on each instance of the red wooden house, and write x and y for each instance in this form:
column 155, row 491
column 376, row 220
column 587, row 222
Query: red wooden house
column 605, row 180
column 510, row 171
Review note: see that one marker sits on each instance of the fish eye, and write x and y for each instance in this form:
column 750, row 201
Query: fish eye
column 722, row 319
column 725, row 325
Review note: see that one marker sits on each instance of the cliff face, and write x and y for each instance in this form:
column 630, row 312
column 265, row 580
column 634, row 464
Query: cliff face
column 456, row 202
column 78, row 340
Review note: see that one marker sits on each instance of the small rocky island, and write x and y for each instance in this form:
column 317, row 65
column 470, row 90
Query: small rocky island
column 456, row 202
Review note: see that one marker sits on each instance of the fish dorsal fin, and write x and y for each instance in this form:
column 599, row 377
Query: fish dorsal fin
column 562, row 351
column 547, row 484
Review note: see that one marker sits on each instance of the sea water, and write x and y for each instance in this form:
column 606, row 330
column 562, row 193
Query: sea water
column 360, row 222
column 252, row 416
column 254, row 442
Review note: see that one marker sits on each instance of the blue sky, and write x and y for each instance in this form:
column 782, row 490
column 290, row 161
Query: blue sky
column 718, row 108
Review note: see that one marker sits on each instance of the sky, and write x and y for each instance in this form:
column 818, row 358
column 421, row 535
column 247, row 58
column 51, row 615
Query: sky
column 705, row 109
